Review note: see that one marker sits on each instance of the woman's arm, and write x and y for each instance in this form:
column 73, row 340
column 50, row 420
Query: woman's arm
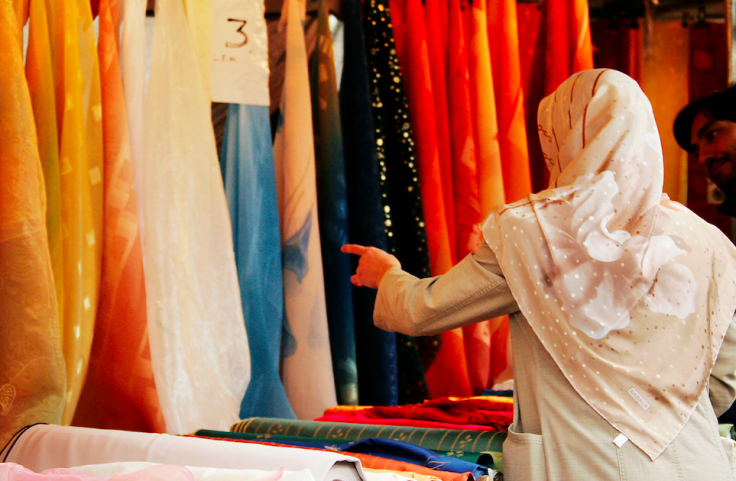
column 472, row 291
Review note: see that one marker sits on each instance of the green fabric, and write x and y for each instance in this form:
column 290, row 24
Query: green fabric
column 466, row 445
column 726, row 431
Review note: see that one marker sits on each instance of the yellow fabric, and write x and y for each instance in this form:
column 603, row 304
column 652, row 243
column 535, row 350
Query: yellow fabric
column 80, row 154
column 199, row 17
column 40, row 76
column 664, row 78
column 31, row 364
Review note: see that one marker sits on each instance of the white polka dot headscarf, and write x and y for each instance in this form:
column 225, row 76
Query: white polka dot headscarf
column 630, row 293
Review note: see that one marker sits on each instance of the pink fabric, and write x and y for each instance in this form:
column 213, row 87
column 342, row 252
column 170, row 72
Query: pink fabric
column 163, row 472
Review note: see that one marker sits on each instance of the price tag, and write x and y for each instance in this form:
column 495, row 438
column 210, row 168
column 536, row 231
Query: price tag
column 239, row 52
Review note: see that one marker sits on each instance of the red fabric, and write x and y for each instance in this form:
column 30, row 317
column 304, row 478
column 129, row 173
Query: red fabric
column 503, row 39
column 411, row 45
column 474, row 413
column 435, row 16
column 448, row 373
column 358, row 417
column 368, row 461
column 617, row 46
column 554, row 43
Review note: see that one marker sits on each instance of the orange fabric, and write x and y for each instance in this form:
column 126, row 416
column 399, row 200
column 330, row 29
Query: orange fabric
column 411, row 45
column 40, row 77
column 477, row 337
column 448, row 373
column 368, row 461
column 568, row 48
column 31, row 363
column 436, row 23
column 79, row 116
column 503, row 39
column 120, row 392
column 554, row 43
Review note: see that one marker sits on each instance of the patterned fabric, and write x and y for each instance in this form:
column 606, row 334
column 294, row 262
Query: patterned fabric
column 400, row 188
column 333, row 211
column 31, row 364
column 461, row 444
column 199, row 347
column 617, row 266
column 120, row 391
column 79, row 118
column 250, row 185
column 375, row 348
column 307, row 366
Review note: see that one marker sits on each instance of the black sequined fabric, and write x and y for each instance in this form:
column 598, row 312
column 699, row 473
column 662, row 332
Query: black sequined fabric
column 399, row 177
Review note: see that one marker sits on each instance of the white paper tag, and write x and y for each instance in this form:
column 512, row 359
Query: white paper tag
column 620, row 440
column 639, row 399
column 239, row 52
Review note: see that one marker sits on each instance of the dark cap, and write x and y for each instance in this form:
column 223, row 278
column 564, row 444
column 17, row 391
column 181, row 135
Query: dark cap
column 720, row 105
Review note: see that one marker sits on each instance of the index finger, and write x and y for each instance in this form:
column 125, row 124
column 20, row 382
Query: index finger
column 354, row 249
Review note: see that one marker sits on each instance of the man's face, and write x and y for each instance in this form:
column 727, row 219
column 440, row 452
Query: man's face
column 714, row 143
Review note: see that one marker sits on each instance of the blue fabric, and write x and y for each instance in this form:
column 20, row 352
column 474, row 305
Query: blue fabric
column 375, row 349
column 410, row 453
column 250, row 185
column 333, row 212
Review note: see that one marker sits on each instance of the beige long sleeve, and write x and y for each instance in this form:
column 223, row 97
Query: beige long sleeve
column 472, row 291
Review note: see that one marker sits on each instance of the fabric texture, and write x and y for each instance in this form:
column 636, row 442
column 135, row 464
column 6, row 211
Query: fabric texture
column 615, row 264
column 399, row 178
column 32, row 374
column 250, row 185
column 79, row 119
column 120, row 391
column 133, row 53
column 40, row 77
column 465, row 445
column 45, row 447
column 307, row 365
column 482, row 412
column 333, row 211
column 375, row 349
column 199, row 347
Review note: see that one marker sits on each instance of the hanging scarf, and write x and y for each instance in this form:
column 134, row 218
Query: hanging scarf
column 630, row 293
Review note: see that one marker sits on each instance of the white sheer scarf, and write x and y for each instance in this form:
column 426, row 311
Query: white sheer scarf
column 630, row 293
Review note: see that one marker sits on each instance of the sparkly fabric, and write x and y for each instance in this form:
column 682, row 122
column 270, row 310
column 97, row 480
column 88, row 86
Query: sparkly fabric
column 400, row 191
column 332, row 211
column 375, row 348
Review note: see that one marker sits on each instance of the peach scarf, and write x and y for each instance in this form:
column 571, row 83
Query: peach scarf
column 629, row 292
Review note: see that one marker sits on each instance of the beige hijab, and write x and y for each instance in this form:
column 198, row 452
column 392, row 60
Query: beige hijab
column 630, row 293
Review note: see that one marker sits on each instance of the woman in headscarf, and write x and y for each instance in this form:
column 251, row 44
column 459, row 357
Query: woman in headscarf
column 620, row 301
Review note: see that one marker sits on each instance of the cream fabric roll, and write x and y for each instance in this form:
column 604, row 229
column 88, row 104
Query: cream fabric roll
column 46, row 446
column 201, row 474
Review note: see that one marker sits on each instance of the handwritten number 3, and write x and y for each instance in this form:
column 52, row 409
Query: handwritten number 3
column 240, row 31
